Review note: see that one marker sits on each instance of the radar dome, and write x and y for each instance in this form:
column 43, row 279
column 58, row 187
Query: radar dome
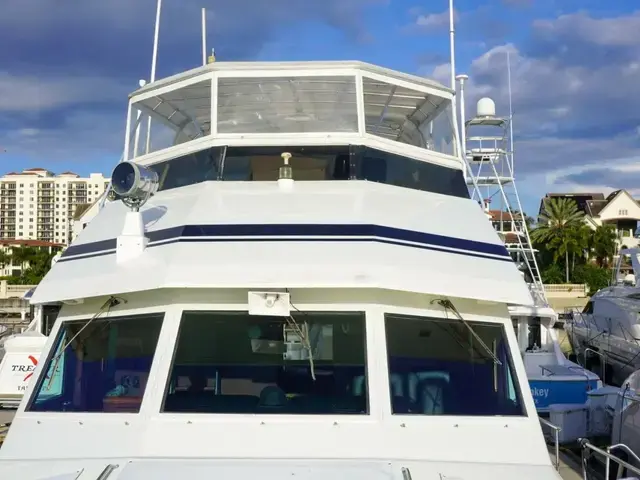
column 486, row 107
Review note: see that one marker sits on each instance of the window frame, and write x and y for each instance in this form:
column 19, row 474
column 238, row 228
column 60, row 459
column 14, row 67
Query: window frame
column 54, row 337
column 516, row 373
column 300, row 308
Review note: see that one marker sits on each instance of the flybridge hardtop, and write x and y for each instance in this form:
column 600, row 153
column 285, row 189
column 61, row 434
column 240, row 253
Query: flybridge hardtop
column 298, row 279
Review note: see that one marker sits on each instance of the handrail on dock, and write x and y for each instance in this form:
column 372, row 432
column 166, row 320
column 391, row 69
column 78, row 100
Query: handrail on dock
column 609, row 456
column 556, row 433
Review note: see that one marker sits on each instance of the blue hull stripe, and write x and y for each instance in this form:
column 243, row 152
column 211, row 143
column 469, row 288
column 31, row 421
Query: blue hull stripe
column 300, row 233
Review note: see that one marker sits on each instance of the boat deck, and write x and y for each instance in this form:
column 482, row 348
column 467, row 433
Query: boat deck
column 570, row 468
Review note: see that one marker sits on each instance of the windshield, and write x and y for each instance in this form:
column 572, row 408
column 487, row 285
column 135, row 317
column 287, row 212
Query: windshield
column 99, row 365
column 438, row 367
column 231, row 362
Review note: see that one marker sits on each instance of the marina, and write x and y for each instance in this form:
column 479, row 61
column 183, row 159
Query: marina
column 312, row 269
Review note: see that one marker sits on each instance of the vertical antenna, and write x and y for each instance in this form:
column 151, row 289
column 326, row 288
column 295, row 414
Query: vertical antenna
column 204, row 36
column 154, row 59
column 463, row 133
column 510, row 111
column 452, row 45
column 454, row 114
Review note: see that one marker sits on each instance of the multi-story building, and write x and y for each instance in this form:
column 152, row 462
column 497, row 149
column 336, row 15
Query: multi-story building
column 37, row 204
column 619, row 209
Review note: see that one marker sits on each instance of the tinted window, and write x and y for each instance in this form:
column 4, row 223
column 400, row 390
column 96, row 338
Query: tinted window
column 437, row 367
column 228, row 362
column 193, row 168
column 378, row 166
column 308, row 163
column 98, row 365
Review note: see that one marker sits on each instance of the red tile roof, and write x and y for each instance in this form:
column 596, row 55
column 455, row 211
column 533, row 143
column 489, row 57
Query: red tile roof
column 29, row 243
column 497, row 215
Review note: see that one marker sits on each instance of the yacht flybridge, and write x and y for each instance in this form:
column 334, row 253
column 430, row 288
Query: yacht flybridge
column 297, row 285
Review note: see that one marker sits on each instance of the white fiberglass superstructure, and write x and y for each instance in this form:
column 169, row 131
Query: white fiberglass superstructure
column 488, row 140
column 300, row 285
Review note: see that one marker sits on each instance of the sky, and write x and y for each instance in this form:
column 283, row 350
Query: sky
column 66, row 68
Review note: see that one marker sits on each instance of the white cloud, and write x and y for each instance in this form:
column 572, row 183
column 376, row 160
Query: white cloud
column 28, row 92
column 435, row 22
column 564, row 114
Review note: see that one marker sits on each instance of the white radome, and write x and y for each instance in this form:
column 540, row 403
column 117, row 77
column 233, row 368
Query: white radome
column 486, row 107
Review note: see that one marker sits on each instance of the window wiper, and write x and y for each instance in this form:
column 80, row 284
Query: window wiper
column 447, row 305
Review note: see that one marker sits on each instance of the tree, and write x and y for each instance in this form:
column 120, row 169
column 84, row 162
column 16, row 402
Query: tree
column 5, row 258
column 34, row 263
column 557, row 226
column 20, row 256
column 595, row 277
column 603, row 245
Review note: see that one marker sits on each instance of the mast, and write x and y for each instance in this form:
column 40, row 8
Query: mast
column 154, row 59
column 204, row 36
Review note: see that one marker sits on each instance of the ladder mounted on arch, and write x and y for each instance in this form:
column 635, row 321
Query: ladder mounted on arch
column 490, row 177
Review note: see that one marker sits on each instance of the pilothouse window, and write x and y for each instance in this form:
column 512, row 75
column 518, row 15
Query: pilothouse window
column 99, row 365
column 317, row 163
column 230, row 362
column 437, row 367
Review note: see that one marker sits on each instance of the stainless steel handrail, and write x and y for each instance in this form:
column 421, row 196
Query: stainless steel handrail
column 609, row 456
column 556, row 432
column 626, row 449
column 603, row 364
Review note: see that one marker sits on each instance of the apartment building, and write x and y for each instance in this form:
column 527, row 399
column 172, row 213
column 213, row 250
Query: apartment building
column 37, row 204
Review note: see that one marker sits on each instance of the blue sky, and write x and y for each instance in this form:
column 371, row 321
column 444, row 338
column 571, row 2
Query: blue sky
column 67, row 66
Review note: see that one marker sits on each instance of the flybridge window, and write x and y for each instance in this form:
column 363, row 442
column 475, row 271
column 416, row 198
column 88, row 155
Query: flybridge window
column 233, row 363
column 310, row 163
column 378, row 166
column 438, row 367
column 99, row 365
column 189, row 169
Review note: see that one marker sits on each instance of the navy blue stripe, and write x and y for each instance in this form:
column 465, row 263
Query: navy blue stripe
column 302, row 239
column 304, row 231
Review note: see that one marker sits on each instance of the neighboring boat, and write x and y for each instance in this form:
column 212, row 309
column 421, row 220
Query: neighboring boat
column 606, row 334
column 552, row 377
column 300, row 287
column 20, row 352
column 607, row 427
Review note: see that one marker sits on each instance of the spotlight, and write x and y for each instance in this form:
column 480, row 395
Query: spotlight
column 134, row 184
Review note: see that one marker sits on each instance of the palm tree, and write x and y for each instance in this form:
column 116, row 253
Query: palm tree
column 557, row 226
column 22, row 255
column 604, row 244
column 5, row 258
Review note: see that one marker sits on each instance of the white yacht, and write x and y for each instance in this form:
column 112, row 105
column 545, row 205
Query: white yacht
column 606, row 334
column 488, row 139
column 299, row 286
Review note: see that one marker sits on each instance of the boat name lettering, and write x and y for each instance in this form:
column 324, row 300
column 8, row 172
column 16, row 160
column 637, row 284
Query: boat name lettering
column 540, row 392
